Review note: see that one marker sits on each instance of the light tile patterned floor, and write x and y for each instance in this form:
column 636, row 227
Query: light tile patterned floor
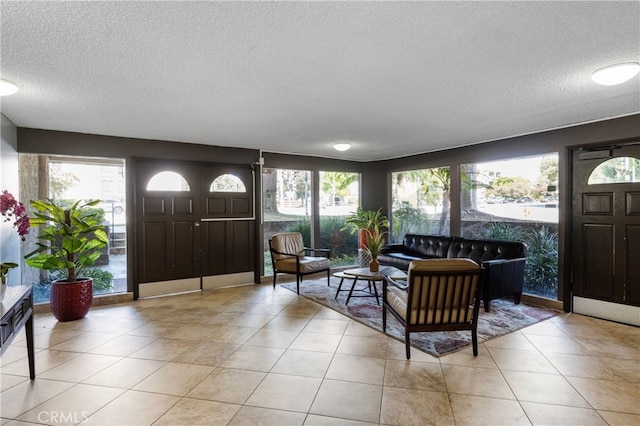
column 254, row 355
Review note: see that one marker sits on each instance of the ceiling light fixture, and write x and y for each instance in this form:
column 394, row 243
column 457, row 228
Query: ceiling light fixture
column 342, row 146
column 7, row 88
column 616, row 74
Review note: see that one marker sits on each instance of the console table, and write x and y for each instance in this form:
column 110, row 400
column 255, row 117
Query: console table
column 17, row 311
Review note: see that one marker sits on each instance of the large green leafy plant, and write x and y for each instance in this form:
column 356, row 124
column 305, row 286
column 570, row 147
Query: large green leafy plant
column 72, row 237
column 371, row 224
column 372, row 221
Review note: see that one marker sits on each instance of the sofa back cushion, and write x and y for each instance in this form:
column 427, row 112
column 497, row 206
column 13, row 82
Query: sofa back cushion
column 482, row 250
column 427, row 245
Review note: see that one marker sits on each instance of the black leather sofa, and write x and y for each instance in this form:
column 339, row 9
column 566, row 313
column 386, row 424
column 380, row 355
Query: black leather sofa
column 503, row 261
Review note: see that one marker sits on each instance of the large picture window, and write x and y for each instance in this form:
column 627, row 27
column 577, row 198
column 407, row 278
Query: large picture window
column 286, row 205
column 339, row 197
column 420, row 202
column 69, row 179
column 516, row 200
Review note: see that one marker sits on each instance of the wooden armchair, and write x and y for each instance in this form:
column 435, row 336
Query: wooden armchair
column 289, row 256
column 439, row 295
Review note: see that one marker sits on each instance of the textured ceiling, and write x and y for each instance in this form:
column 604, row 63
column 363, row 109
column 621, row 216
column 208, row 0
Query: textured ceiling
column 393, row 78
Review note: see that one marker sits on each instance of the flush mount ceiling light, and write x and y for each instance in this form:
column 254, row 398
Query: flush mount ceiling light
column 616, row 74
column 7, row 88
column 342, row 146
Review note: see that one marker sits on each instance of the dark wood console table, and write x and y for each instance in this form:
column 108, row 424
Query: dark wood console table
column 17, row 311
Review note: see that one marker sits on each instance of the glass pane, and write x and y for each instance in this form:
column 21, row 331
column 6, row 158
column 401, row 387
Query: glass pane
column 91, row 178
column 420, row 202
column 227, row 183
column 517, row 200
column 339, row 197
column 168, row 181
column 616, row 170
column 286, row 206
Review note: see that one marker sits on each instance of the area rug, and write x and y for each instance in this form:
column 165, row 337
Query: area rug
column 505, row 316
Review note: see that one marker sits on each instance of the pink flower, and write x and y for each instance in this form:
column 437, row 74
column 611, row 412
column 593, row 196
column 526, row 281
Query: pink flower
column 11, row 208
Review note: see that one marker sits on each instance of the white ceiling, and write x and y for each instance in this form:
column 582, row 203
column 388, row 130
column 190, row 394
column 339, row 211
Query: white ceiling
column 393, row 78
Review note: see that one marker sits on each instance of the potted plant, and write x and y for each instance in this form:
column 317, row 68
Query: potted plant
column 73, row 237
column 374, row 242
column 369, row 225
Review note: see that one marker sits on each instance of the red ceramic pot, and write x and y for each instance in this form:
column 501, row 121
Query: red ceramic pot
column 71, row 300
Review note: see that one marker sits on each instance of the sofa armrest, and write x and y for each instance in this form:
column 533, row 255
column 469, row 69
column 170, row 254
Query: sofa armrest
column 503, row 277
column 499, row 261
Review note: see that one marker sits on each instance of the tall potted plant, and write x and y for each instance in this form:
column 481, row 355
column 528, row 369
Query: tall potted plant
column 72, row 238
column 369, row 225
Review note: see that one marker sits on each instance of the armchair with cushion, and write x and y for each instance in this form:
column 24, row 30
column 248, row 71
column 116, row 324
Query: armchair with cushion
column 290, row 256
column 439, row 295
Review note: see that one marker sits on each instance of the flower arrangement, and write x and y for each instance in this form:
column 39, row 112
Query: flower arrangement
column 12, row 209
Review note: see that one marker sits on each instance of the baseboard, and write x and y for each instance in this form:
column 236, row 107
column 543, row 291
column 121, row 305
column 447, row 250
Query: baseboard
column 544, row 302
column 98, row 300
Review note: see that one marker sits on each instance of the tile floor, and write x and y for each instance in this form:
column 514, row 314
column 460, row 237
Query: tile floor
column 254, row 355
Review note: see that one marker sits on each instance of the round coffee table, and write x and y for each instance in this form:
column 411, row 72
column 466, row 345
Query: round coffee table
column 372, row 278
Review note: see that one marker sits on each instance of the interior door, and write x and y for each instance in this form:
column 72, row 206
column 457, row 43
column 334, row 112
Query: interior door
column 605, row 243
column 195, row 226
column 227, row 226
column 168, row 203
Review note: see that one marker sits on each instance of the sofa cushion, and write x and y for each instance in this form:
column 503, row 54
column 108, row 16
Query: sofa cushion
column 483, row 250
column 427, row 245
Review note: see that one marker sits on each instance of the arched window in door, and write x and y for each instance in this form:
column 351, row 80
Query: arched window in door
column 168, row 181
column 227, row 183
column 616, row 170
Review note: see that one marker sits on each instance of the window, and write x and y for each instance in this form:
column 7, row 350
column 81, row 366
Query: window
column 71, row 179
column 227, row 183
column 287, row 206
column 339, row 197
column 420, row 202
column 516, row 200
column 168, row 181
column 616, row 170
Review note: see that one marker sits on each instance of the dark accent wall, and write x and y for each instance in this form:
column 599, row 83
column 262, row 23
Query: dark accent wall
column 375, row 189
column 53, row 142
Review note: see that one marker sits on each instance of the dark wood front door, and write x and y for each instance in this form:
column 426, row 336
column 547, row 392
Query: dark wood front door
column 187, row 229
column 605, row 248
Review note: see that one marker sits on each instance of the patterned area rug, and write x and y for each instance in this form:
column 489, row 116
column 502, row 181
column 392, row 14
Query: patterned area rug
column 505, row 316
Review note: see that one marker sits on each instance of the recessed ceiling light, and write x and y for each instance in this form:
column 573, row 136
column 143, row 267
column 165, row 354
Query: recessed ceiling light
column 7, row 88
column 616, row 74
column 342, row 146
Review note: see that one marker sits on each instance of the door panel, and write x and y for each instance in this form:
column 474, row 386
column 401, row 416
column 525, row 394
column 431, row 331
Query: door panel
column 605, row 241
column 598, row 253
column 633, row 263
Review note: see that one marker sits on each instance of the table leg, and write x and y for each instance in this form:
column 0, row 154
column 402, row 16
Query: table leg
column 339, row 287
column 28, row 328
column 355, row 280
column 375, row 290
